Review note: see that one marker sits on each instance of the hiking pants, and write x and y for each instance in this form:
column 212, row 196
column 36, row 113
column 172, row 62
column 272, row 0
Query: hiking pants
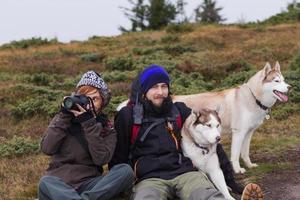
column 188, row 186
column 118, row 179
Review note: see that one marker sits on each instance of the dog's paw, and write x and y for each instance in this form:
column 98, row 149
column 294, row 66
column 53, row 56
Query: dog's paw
column 240, row 170
column 252, row 165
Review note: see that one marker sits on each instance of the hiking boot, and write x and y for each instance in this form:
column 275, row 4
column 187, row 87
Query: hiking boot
column 252, row 192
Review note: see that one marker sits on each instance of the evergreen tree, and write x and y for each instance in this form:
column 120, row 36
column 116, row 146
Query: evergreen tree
column 137, row 15
column 181, row 16
column 208, row 13
column 161, row 13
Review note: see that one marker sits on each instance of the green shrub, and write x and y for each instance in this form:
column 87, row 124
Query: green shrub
column 92, row 57
column 39, row 79
column 235, row 79
column 295, row 64
column 283, row 111
column 34, row 106
column 4, row 76
column 176, row 50
column 143, row 51
column 33, row 42
column 20, row 92
column 179, row 28
column 170, row 38
column 18, row 146
column 121, row 63
column 238, row 66
column 115, row 101
column 293, row 78
column 292, row 15
column 189, row 83
column 118, row 76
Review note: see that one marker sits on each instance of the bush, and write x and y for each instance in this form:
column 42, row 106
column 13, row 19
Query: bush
column 33, row 42
column 238, row 66
column 143, row 51
column 121, row 63
column 26, row 91
column 236, row 79
column 283, row 111
column 292, row 15
column 18, row 146
column 295, row 64
column 293, row 78
column 176, row 50
column 92, row 57
column 179, row 28
column 39, row 79
column 189, row 83
column 4, row 76
column 34, row 106
column 118, row 76
column 170, row 38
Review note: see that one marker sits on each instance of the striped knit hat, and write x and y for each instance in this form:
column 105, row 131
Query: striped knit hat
column 94, row 79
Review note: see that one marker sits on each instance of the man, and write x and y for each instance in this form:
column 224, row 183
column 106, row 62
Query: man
column 80, row 140
column 161, row 170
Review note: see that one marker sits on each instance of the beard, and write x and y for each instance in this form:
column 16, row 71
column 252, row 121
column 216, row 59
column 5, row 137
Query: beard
column 161, row 109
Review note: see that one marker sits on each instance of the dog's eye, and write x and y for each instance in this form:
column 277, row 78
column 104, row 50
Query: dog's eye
column 277, row 81
column 209, row 125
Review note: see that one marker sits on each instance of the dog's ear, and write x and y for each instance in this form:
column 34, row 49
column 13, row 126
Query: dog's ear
column 277, row 67
column 266, row 70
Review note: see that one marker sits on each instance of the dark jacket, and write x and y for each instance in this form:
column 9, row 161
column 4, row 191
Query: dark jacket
column 70, row 161
column 155, row 157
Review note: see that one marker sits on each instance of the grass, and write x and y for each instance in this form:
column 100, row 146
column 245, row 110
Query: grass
column 35, row 77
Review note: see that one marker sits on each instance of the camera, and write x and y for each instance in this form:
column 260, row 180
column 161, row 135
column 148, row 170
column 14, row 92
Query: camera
column 71, row 101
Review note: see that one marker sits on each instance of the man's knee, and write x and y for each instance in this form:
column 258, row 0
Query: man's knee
column 206, row 193
column 147, row 193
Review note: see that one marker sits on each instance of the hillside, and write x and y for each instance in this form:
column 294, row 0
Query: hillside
column 35, row 74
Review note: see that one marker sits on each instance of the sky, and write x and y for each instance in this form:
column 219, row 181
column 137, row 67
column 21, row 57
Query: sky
column 69, row 20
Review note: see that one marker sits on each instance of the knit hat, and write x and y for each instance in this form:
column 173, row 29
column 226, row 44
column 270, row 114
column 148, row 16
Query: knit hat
column 152, row 75
column 94, row 79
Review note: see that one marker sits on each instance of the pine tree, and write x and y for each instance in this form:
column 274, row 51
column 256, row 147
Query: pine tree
column 208, row 13
column 161, row 13
column 181, row 16
column 137, row 15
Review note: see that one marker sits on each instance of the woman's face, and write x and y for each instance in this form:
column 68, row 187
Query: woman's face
column 96, row 98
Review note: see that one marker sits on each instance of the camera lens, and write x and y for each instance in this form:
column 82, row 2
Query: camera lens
column 68, row 103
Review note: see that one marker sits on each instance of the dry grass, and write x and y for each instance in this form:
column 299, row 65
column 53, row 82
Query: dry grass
column 214, row 48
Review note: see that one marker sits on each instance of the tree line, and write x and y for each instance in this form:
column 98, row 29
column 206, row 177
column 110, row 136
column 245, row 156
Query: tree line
column 155, row 14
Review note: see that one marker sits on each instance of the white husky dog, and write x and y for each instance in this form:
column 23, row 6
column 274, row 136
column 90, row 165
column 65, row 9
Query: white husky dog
column 243, row 109
column 200, row 135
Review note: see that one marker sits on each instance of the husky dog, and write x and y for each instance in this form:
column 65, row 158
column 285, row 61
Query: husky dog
column 200, row 135
column 243, row 109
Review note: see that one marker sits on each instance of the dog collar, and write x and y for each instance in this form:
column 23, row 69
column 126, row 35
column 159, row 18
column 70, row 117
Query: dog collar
column 262, row 106
column 205, row 150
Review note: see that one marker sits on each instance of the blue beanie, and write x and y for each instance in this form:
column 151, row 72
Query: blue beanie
column 152, row 75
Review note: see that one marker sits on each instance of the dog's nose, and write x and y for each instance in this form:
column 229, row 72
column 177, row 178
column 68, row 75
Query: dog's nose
column 218, row 138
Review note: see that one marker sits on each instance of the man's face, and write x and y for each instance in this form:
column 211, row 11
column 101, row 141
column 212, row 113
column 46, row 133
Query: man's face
column 96, row 98
column 157, row 93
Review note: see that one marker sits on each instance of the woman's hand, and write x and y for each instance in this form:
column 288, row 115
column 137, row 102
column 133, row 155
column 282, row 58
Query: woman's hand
column 78, row 112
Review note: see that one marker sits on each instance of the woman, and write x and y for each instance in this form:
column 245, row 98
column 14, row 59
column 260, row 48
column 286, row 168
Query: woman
column 80, row 140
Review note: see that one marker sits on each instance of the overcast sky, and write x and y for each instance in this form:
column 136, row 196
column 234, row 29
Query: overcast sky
column 79, row 19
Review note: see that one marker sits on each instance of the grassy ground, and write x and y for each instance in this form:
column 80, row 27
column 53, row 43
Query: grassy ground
column 34, row 78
